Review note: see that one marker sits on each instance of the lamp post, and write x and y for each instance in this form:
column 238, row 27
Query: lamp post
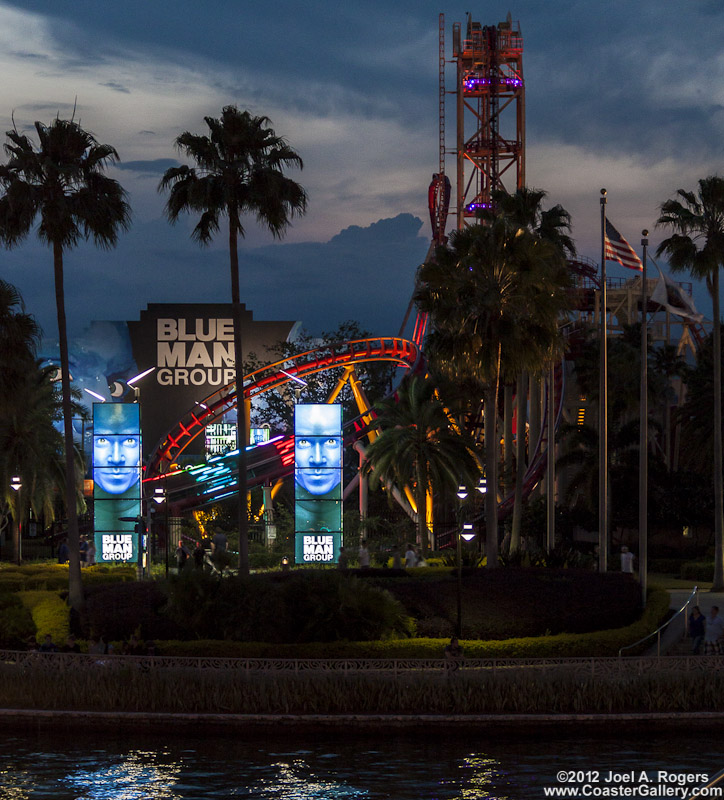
column 159, row 496
column 462, row 493
column 15, row 485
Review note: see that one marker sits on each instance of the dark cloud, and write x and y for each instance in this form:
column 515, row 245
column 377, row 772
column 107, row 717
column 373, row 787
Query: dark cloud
column 30, row 56
column 366, row 274
column 117, row 87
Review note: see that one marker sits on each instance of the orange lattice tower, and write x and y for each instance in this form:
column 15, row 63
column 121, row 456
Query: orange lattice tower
column 490, row 91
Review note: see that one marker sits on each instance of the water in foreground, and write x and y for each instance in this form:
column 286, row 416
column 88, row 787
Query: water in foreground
column 385, row 764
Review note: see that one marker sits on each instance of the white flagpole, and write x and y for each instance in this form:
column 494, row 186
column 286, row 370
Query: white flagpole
column 644, row 431
column 603, row 407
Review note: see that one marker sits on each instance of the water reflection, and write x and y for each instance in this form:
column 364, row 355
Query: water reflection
column 432, row 765
column 138, row 777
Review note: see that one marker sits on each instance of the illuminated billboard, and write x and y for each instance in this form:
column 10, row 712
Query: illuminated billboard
column 317, row 482
column 116, row 480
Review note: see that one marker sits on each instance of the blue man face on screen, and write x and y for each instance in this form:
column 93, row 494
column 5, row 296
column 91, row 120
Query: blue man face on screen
column 116, row 448
column 318, row 448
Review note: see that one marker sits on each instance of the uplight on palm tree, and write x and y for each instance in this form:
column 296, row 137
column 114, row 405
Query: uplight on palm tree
column 495, row 298
column 61, row 183
column 238, row 171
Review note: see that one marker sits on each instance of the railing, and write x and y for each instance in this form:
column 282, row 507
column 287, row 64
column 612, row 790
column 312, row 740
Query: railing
column 579, row 667
column 657, row 633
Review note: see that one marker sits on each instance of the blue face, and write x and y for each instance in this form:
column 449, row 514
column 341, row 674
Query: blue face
column 116, row 448
column 318, row 448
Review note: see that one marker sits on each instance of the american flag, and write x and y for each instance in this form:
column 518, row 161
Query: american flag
column 618, row 249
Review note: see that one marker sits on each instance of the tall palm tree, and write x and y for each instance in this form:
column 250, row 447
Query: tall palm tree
column 419, row 445
column 239, row 171
column 524, row 210
column 62, row 183
column 697, row 246
column 495, row 297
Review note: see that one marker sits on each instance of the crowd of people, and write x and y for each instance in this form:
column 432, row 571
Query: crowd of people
column 412, row 557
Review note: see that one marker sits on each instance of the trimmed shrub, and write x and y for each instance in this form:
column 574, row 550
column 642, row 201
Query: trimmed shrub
column 599, row 643
column 320, row 605
column 115, row 611
column 501, row 603
column 49, row 612
column 698, row 571
column 16, row 623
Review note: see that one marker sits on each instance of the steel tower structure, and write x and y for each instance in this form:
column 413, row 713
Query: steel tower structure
column 490, row 114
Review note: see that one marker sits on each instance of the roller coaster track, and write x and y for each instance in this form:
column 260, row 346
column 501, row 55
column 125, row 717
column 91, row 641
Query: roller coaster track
column 274, row 459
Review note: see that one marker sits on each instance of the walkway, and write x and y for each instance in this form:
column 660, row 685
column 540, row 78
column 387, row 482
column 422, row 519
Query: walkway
column 675, row 632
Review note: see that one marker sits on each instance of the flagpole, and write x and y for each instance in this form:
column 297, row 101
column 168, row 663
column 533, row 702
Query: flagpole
column 603, row 407
column 644, row 431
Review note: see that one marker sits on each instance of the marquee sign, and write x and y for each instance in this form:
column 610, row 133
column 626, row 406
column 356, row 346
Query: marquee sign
column 116, row 480
column 317, row 482
column 191, row 348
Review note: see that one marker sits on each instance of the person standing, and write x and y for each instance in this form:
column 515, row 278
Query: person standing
column 627, row 561
column 697, row 626
column 182, row 555
column 364, row 556
column 410, row 557
column 396, row 558
column 343, row 559
column 713, row 632
column 63, row 552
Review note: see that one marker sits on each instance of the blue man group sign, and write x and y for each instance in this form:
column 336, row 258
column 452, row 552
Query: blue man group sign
column 116, row 480
column 317, row 482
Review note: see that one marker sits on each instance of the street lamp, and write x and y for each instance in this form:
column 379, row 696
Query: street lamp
column 159, row 496
column 15, row 485
column 462, row 494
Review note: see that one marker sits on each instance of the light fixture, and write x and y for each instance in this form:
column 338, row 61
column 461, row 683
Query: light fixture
column 462, row 492
column 95, row 394
column 482, row 487
column 293, row 377
column 468, row 531
column 16, row 483
column 140, row 375
column 159, row 495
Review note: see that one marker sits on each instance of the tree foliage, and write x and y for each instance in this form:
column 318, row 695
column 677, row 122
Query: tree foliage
column 239, row 170
column 419, row 445
column 62, row 184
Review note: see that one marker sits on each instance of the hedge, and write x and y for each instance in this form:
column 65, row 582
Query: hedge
column 698, row 571
column 54, row 577
column 599, row 643
column 49, row 612
column 16, row 622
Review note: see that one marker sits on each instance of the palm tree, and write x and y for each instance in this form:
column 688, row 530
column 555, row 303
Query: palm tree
column 238, row 171
column 63, row 183
column 19, row 337
column 697, row 246
column 524, row 210
column 495, row 297
column 32, row 448
column 419, row 445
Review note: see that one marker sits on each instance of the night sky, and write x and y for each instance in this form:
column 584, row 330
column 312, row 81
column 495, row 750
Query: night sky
column 626, row 96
